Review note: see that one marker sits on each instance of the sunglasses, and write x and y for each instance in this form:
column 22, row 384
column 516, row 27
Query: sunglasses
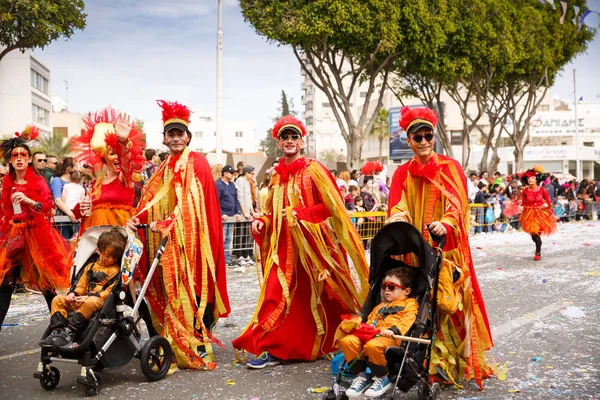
column 41, row 160
column 18, row 153
column 285, row 137
column 419, row 138
column 391, row 286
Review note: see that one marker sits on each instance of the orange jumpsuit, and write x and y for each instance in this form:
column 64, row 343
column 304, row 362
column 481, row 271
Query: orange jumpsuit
column 400, row 314
column 96, row 282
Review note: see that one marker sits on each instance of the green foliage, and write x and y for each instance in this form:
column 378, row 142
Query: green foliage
column 381, row 130
column 55, row 144
column 28, row 24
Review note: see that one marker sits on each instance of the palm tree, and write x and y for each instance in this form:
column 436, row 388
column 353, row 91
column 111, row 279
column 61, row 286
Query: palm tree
column 381, row 129
column 55, row 144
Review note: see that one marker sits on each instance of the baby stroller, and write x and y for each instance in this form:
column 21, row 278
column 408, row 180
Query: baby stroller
column 110, row 339
column 409, row 363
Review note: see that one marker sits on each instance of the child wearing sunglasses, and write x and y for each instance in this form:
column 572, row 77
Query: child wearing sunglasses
column 393, row 316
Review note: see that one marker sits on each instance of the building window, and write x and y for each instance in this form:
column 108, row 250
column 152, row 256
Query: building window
column 198, row 134
column 39, row 82
column 456, row 138
column 40, row 115
column 588, row 144
column 59, row 130
column 363, row 94
column 544, row 107
column 239, row 150
column 309, row 120
column 309, row 105
column 239, row 134
column 326, row 105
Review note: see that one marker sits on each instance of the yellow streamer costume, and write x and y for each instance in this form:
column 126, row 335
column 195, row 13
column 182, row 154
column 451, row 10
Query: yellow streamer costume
column 188, row 293
column 314, row 266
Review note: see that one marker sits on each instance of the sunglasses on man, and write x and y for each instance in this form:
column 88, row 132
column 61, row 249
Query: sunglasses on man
column 419, row 138
column 41, row 160
column 292, row 136
column 391, row 286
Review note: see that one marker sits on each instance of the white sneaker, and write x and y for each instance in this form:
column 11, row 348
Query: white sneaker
column 359, row 385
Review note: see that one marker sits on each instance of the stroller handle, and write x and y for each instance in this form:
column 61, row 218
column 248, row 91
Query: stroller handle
column 441, row 239
column 142, row 226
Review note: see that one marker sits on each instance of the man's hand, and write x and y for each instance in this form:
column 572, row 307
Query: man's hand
column 387, row 333
column 545, row 205
column 224, row 217
column 238, row 217
column 154, row 227
column 131, row 224
column 437, row 228
column 257, row 226
column 71, row 297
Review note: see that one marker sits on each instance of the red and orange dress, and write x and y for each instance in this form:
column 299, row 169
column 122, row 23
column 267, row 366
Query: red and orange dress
column 43, row 254
column 535, row 219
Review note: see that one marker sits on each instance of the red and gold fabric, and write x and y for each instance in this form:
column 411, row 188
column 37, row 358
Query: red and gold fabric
column 44, row 258
column 437, row 191
column 182, row 195
column 535, row 219
column 313, row 265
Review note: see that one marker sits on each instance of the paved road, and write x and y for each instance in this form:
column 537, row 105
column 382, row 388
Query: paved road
column 544, row 317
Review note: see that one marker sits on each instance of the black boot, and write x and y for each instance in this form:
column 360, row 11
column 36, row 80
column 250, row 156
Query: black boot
column 49, row 295
column 66, row 337
column 6, row 291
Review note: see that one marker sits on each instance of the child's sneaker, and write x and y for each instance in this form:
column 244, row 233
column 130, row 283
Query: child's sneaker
column 379, row 387
column 66, row 337
column 49, row 340
column 359, row 385
column 265, row 359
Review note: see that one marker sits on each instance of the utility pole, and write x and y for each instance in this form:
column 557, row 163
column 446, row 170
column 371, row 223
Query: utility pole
column 219, row 144
column 576, row 138
column 67, row 95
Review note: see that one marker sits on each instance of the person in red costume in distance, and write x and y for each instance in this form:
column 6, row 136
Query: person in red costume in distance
column 29, row 247
column 537, row 217
column 307, row 246
column 430, row 191
column 189, row 292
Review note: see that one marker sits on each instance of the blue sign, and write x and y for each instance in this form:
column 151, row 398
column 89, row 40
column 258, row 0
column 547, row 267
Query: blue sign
column 399, row 149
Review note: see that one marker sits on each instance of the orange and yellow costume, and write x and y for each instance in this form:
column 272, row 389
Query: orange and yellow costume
column 437, row 191
column 313, row 265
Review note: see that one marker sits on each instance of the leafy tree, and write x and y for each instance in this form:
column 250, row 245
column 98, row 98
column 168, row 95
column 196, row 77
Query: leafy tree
column 381, row 130
column 55, row 144
column 329, row 155
column 343, row 47
column 140, row 125
column 29, row 24
column 268, row 144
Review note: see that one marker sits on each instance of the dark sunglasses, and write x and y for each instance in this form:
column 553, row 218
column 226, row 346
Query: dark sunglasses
column 41, row 160
column 391, row 286
column 419, row 138
column 292, row 136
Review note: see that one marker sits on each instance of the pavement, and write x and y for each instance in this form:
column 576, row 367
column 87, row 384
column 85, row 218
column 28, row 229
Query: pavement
column 544, row 317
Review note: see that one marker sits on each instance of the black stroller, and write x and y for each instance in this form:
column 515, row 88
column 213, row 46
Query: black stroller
column 111, row 339
column 409, row 363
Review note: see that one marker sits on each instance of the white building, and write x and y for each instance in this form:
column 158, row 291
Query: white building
column 64, row 122
column 238, row 136
column 24, row 93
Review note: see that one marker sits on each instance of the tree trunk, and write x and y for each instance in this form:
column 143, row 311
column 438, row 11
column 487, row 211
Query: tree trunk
column 7, row 50
column 518, row 152
column 380, row 149
column 466, row 151
column 353, row 146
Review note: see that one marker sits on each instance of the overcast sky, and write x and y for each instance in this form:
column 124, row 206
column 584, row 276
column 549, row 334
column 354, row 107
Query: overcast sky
column 133, row 52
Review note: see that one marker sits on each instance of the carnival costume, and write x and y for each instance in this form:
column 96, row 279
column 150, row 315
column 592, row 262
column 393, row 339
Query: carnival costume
column 182, row 195
column 437, row 191
column 309, row 262
column 534, row 219
column 28, row 239
column 112, row 203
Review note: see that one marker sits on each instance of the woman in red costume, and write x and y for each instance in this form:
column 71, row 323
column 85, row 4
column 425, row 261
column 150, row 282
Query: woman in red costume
column 537, row 218
column 430, row 192
column 112, row 145
column 29, row 246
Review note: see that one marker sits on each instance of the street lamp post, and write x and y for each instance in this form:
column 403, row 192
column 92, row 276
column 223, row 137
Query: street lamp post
column 576, row 138
column 219, row 144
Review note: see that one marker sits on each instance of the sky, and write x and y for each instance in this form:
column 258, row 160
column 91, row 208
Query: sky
column 133, row 52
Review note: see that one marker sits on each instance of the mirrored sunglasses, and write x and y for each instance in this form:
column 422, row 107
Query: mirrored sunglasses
column 391, row 286
column 419, row 138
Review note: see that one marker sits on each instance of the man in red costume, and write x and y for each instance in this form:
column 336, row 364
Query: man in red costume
column 430, row 190
column 308, row 250
column 189, row 293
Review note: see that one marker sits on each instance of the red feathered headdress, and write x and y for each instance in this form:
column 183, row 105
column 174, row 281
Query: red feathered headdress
column 537, row 171
column 289, row 122
column 371, row 167
column 31, row 132
column 99, row 136
column 414, row 118
column 174, row 115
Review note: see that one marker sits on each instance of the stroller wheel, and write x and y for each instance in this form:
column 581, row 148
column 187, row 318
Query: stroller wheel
column 49, row 378
column 92, row 386
column 426, row 392
column 155, row 358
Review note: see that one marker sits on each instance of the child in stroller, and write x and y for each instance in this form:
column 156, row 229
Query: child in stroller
column 393, row 316
column 89, row 295
column 110, row 337
column 408, row 363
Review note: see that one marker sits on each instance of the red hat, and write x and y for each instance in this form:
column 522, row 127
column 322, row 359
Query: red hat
column 413, row 119
column 174, row 115
column 371, row 167
column 289, row 122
